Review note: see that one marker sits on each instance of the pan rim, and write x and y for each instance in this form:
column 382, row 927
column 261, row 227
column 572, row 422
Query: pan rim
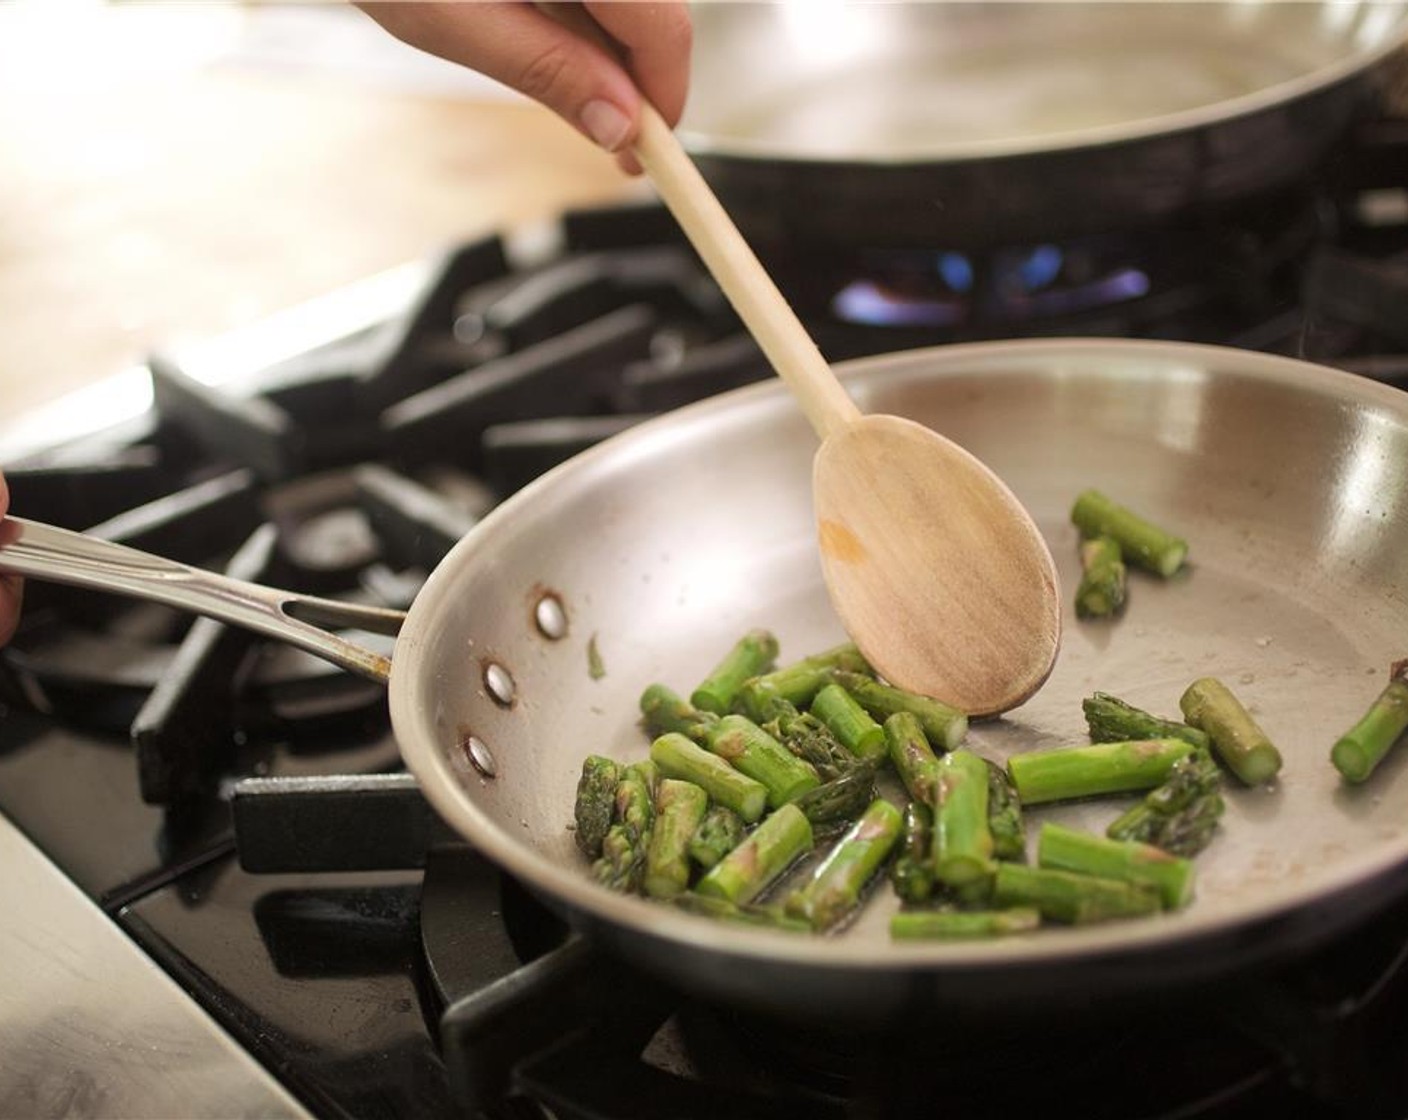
column 701, row 142
column 585, row 900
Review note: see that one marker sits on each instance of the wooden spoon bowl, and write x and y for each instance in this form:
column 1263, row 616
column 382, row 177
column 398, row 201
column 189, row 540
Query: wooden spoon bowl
column 937, row 573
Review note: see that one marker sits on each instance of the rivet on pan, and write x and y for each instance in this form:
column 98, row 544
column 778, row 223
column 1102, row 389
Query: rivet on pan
column 479, row 756
column 499, row 682
column 551, row 617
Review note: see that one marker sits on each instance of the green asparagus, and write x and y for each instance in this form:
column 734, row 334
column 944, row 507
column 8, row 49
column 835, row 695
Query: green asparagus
column 782, row 838
column 721, row 909
column 679, row 807
column 912, row 757
column 649, row 774
column 1141, row 542
column 752, row 751
column 596, row 802
column 677, row 757
column 1180, row 815
column 835, row 804
column 944, row 726
column 810, row 740
column 835, row 887
column 1064, row 896
column 663, row 710
column 1009, row 833
column 752, row 655
column 962, row 838
column 1111, row 720
column 1209, row 705
column 1103, row 581
column 946, row 924
column 850, row 722
column 621, row 865
column 799, row 682
column 719, row 832
column 1069, row 849
column 912, row 872
column 1360, row 749
column 1100, row 768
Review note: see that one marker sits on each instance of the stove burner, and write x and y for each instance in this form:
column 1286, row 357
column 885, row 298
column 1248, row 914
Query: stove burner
column 947, row 289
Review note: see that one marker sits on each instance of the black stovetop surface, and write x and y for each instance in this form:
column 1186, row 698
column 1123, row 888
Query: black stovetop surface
column 324, row 968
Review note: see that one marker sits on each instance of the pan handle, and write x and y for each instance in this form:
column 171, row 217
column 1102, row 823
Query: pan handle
column 44, row 552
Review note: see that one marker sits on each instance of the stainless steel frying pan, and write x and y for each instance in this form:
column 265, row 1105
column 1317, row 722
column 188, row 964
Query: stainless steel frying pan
column 932, row 124
column 664, row 544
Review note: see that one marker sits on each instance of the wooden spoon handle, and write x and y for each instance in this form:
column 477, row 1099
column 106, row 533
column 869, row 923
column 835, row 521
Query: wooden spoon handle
column 738, row 272
column 766, row 314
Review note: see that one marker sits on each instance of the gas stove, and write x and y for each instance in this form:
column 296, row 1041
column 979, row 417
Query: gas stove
column 236, row 811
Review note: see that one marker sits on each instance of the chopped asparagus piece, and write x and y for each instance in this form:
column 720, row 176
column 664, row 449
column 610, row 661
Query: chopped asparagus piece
column 1111, row 720
column 1179, row 816
column 1141, row 542
column 1103, row 581
column 1064, row 896
column 1088, row 771
column 596, row 802
column 1209, row 705
column 752, row 751
column 1069, row 849
column 752, row 655
column 912, row 873
column 944, row 726
column 677, row 757
column 663, row 710
column 719, row 832
column 835, row 887
column 1360, row 749
column 962, row 838
column 748, row 914
column 649, row 774
column 679, row 807
column 912, row 757
column 850, row 722
column 799, row 682
column 927, row 925
column 809, row 739
column 621, row 865
column 753, row 866
column 1009, row 832
column 802, row 733
column 838, row 802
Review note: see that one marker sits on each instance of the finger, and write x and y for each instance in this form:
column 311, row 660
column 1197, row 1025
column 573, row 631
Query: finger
column 656, row 41
column 526, row 50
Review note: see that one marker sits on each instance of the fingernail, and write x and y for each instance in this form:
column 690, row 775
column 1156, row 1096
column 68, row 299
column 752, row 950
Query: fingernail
column 605, row 124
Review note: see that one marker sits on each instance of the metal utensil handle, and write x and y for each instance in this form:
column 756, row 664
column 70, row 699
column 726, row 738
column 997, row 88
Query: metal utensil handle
column 44, row 552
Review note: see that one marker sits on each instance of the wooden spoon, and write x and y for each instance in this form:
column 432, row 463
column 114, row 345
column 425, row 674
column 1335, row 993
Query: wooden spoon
column 938, row 574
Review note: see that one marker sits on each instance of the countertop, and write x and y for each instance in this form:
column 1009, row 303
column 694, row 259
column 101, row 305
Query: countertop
column 173, row 173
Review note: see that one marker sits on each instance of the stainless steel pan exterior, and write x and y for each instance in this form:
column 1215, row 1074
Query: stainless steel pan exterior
column 938, row 124
column 1291, row 482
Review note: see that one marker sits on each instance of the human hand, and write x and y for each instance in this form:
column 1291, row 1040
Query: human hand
column 526, row 49
column 10, row 586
